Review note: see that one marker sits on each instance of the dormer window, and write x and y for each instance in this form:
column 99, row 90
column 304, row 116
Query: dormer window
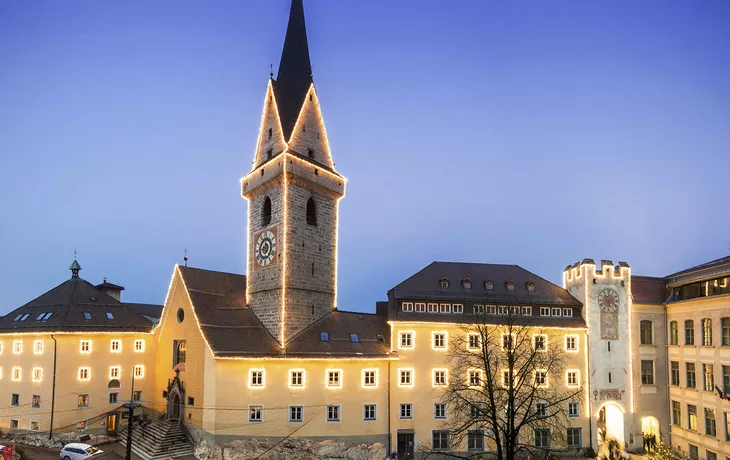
column 510, row 285
column 324, row 337
column 444, row 283
column 354, row 338
column 531, row 286
column 466, row 283
column 488, row 285
column 87, row 315
column 109, row 316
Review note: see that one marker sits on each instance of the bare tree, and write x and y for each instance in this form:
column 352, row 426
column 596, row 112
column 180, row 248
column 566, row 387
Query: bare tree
column 508, row 385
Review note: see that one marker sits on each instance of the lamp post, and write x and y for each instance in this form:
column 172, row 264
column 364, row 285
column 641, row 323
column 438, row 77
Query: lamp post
column 131, row 406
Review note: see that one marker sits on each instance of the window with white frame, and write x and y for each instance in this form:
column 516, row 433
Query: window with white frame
column 445, row 308
column 86, row 346
column 475, row 440
column 116, row 346
column 440, row 440
column 114, row 372
column 369, row 412
column 568, row 312
column 571, row 343
column 440, row 377
column 256, row 378
column 37, row 374
column 527, row 311
column 541, row 409
column 255, row 413
column 491, row 309
column 556, row 311
column 296, row 378
column 296, row 414
column 439, row 410
column 370, row 378
column 539, row 342
column 544, row 311
column 572, row 378
column 508, row 341
column 542, row 437
column 334, row 378
column 475, row 377
column 406, row 411
column 433, row 308
column 333, row 413
column 574, row 437
column 406, row 339
column 474, row 341
column 84, row 374
column 17, row 347
column 573, row 409
column 439, row 340
column 478, row 309
column 38, row 347
column 138, row 372
column 420, row 307
column 502, row 309
column 405, row 377
column 541, row 379
column 139, row 345
column 514, row 310
column 506, row 378
column 457, row 308
column 407, row 306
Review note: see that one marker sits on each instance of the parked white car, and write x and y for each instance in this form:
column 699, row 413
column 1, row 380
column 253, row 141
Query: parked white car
column 78, row 451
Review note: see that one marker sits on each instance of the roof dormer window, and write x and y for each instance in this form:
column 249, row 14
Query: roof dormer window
column 109, row 315
column 444, row 283
column 324, row 337
column 354, row 338
column 531, row 286
column 488, row 285
column 466, row 283
column 87, row 315
column 510, row 285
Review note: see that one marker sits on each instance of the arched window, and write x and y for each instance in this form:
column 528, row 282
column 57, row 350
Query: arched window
column 113, row 383
column 311, row 212
column 266, row 211
column 645, row 330
column 180, row 352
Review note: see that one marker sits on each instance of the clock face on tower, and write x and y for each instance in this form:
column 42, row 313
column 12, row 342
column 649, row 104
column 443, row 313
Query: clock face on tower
column 265, row 248
column 608, row 300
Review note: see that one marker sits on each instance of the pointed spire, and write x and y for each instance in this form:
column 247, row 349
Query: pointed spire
column 295, row 70
column 75, row 268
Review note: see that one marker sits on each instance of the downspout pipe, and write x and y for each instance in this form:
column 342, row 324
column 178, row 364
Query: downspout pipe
column 53, row 390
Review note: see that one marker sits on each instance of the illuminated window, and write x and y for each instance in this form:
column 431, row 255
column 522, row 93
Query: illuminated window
column 1, row 348
column 544, row 311
column 83, row 401
column 572, row 378
column 707, row 332
column 114, row 372
column 17, row 347
column 138, row 372
column 478, row 309
column 370, row 378
column 35, row 426
column 445, row 308
column 256, row 378
column 37, row 374
column 180, row 347
column 84, row 374
column 573, row 409
column 474, row 341
column 420, row 307
column 475, row 378
column 406, row 339
column 17, row 374
column 81, row 425
column 86, row 346
column 334, row 378
column 539, row 342
column 255, row 414
column 556, row 312
column 296, row 414
column 439, row 410
column 333, row 413
column 116, row 346
column 439, row 340
column 407, row 306
column 369, row 412
column 36, row 401
column 433, row 308
column 541, row 379
column 457, row 308
column 692, row 417
column 137, row 395
column 406, row 411
column 527, row 311
column 38, row 347
column 296, row 378
column 708, row 371
column 139, row 345
column 440, row 377
column 571, row 343
column 406, row 377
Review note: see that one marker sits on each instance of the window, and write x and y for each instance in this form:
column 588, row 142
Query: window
column 139, row 345
column 35, row 426
column 676, row 413
column 180, row 352
column 38, row 347
column 257, row 378
column 645, row 332
column 726, row 379
column 475, row 411
column 14, row 424
column 113, row 398
column 466, row 283
column 707, row 332
column 573, row 409
column 116, row 346
column 310, row 153
column 83, row 401
column 36, row 401
column 571, row 343
column 709, row 455
column 541, row 409
column 541, row 379
column 647, row 372
column 527, row 311
column 717, row 286
column 406, row 378
column 444, row 283
column 491, row 309
column 475, row 378
column 727, row 426
column 271, row 133
column 457, row 308
column 502, row 309
column 255, row 414
column 510, row 285
column 324, row 337
column 406, row 411
column 17, row 374
column 508, row 341
column 440, row 440
column 475, row 440
column 694, row 452
column 674, row 365
column 15, row 399
column 572, row 379
column 568, row 312
column 114, row 372
column 84, row 374
column 191, row 401
column 445, row 308
column 138, row 372
column 296, row 378
column 542, row 438
column 407, row 306
column 406, row 339
column 439, row 410
column 81, row 426
column 420, row 307
column 369, row 412
column 574, row 437
column 17, row 347
column 692, row 417
column 474, row 342
column 370, row 378
column 109, row 315
column 506, row 378
column 544, row 311
column 708, row 371
column 439, row 340
column 710, row 422
column 333, row 379
column 433, row 308
column 333, row 413
column 37, row 374
column 489, row 285
column 691, row 378
column 555, row 311
column 137, row 395
column 540, row 342
column 689, row 332
column 439, row 377
column 86, row 346
column 266, row 211
column 296, row 414
column 725, row 332
column 673, row 333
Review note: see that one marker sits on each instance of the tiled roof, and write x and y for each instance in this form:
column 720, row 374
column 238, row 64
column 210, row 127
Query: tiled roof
column 648, row 289
column 703, row 266
column 68, row 305
column 232, row 330
column 147, row 309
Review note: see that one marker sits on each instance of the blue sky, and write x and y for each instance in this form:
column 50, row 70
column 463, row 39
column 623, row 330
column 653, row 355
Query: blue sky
column 534, row 133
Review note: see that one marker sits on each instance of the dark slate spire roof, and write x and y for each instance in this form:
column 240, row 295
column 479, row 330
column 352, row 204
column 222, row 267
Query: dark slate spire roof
column 295, row 70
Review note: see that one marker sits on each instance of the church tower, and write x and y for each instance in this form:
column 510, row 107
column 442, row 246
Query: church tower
column 293, row 194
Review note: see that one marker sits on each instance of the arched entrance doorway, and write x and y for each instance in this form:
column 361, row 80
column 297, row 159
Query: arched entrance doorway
column 175, row 398
column 174, row 408
column 650, row 429
column 610, row 423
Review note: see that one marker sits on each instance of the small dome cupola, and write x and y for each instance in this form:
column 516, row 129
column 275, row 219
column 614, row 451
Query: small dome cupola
column 75, row 269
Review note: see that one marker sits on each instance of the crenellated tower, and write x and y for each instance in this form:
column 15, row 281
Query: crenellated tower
column 293, row 194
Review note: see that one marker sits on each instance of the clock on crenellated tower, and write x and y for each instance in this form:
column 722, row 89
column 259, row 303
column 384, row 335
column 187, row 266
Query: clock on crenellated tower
column 293, row 192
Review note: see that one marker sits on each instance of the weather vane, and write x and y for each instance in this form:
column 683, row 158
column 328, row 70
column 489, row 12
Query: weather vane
column 185, row 257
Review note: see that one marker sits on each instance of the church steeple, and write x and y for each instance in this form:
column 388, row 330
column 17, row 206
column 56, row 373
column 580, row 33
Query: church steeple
column 295, row 70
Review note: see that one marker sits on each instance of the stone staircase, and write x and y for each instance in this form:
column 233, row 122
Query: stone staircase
column 159, row 440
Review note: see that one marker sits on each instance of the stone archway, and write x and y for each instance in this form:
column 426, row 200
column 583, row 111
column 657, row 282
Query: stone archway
column 175, row 398
column 610, row 423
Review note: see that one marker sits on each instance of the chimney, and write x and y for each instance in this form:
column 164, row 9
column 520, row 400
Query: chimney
column 110, row 289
